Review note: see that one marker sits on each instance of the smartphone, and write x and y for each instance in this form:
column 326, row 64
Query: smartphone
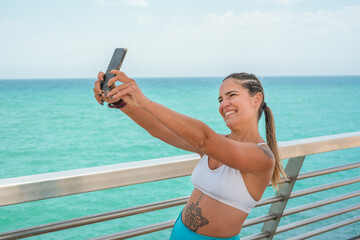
column 115, row 63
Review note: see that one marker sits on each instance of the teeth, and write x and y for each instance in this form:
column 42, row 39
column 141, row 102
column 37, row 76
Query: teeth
column 230, row 112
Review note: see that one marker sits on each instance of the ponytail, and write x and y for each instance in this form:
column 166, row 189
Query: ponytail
column 272, row 143
column 253, row 85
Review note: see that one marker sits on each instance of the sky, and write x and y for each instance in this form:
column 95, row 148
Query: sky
column 187, row 38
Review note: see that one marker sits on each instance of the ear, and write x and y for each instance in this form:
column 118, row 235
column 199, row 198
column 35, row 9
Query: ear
column 258, row 99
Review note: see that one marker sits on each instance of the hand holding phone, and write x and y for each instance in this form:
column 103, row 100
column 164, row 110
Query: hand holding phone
column 115, row 63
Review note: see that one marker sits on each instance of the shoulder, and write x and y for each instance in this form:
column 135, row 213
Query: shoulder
column 268, row 157
column 266, row 149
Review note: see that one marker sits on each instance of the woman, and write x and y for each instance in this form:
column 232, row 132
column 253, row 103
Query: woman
column 234, row 169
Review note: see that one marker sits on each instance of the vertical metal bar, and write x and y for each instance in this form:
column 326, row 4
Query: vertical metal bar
column 292, row 170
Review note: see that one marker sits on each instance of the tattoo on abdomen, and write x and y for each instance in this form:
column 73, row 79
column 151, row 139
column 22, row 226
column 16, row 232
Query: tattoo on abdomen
column 193, row 216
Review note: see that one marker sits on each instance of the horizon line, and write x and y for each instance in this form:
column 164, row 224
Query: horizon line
column 54, row 78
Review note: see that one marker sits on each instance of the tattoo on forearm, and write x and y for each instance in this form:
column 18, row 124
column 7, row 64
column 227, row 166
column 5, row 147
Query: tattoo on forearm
column 193, row 216
column 267, row 151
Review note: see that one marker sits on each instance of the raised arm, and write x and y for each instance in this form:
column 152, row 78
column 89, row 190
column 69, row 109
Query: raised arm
column 156, row 128
column 240, row 155
column 145, row 120
column 248, row 157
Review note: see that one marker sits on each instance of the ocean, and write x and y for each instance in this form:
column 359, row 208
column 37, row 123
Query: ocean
column 50, row 125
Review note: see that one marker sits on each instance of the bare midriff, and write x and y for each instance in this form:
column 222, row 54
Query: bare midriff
column 209, row 217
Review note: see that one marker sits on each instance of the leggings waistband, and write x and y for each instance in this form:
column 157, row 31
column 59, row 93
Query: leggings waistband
column 181, row 232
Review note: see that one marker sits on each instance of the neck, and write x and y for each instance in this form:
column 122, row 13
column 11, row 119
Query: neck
column 248, row 133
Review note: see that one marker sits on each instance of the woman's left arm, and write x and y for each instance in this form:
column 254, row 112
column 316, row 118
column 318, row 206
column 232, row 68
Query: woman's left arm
column 244, row 156
column 240, row 155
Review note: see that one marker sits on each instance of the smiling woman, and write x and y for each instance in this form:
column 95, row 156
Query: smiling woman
column 234, row 169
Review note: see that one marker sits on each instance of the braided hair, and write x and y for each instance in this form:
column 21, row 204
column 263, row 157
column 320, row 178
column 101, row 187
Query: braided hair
column 253, row 85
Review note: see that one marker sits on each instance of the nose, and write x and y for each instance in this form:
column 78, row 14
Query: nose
column 224, row 103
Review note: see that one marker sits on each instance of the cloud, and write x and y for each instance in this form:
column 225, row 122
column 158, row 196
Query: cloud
column 281, row 2
column 132, row 3
column 135, row 3
column 145, row 19
column 285, row 2
column 268, row 42
column 148, row 20
column 318, row 22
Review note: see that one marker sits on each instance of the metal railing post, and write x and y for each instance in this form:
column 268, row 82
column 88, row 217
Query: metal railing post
column 292, row 170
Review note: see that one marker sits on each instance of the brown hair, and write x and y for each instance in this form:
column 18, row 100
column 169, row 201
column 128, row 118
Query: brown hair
column 253, row 85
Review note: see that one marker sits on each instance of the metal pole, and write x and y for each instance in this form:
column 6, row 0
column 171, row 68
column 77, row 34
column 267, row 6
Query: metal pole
column 292, row 170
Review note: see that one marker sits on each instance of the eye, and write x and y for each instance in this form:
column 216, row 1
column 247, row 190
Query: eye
column 220, row 100
column 233, row 94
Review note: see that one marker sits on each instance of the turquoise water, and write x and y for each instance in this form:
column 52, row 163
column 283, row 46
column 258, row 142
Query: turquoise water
column 55, row 125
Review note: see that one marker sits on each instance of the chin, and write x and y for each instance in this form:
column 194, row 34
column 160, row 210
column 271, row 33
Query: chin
column 231, row 124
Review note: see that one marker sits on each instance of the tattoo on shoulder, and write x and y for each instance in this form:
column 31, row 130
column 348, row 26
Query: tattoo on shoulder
column 193, row 216
column 267, row 152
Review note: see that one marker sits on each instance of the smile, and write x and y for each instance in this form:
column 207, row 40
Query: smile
column 229, row 112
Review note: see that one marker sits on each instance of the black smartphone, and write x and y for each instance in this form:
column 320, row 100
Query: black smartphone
column 115, row 63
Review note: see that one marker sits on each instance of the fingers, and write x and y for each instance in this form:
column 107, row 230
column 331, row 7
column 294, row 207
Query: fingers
column 117, row 92
column 122, row 91
column 100, row 76
column 118, row 89
column 130, row 88
column 119, row 76
column 99, row 99
column 97, row 88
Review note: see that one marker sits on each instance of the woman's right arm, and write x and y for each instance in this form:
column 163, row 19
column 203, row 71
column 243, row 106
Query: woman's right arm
column 146, row 121
column 155, row 128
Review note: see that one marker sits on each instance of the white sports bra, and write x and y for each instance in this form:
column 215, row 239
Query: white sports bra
column 224, row 184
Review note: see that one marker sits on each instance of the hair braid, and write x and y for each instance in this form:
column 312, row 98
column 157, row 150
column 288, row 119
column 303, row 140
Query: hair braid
column 253, row 85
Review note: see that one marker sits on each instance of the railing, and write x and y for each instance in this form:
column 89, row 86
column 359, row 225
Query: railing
column 52, row 185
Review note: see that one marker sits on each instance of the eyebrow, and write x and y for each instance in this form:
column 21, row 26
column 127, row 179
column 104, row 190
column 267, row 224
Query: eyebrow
column 229, row 92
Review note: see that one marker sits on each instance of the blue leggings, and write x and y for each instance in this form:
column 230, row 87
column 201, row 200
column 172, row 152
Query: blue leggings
column 181, row 232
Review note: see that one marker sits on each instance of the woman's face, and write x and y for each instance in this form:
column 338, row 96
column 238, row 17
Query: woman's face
column 237, row 107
